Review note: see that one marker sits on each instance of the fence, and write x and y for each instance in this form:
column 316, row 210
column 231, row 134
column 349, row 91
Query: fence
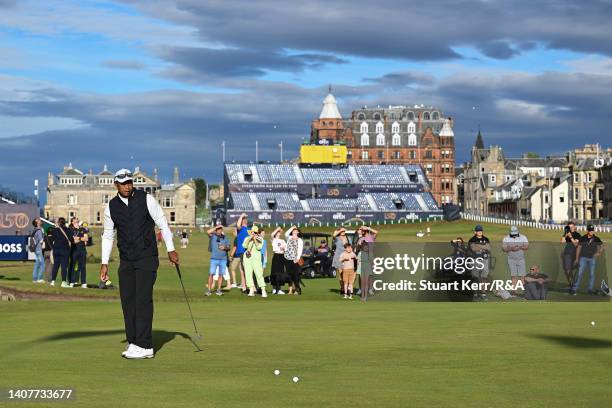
column 530, row 224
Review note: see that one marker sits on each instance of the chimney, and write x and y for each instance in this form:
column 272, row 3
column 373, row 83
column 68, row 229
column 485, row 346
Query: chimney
column 49, row 179
column 155, row 174
column 420, row 122
column 175, row 176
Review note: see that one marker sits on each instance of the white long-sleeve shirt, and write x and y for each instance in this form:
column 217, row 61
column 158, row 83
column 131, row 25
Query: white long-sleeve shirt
column 156, row 213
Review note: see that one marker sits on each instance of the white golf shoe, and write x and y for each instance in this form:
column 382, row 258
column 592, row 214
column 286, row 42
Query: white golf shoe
column 139, row 353
column 251, row 292
column 52, row 283
column 264, row 294
column 280, row 292
column 65, row 285
column 128, row 349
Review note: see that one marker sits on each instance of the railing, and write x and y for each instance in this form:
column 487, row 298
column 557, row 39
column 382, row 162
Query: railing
column 530, row 224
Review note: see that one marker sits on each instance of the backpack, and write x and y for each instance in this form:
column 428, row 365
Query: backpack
column 32, row 242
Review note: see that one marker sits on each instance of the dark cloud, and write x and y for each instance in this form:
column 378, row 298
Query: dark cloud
column 210, row 63
column 394, row 29
column 124, row 64
column 401, row 79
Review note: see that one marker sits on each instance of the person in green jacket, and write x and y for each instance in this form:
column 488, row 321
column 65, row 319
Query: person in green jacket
column 253, row 261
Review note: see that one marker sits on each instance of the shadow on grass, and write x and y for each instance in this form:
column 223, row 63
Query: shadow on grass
column 575, row 341
column 160, row 337
column 9, row 278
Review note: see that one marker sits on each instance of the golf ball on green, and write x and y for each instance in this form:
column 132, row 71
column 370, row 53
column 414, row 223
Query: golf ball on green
column 276, row 372
column 592, row 323
column 295, row 379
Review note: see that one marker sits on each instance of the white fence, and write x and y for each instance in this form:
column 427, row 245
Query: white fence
column 530, row 224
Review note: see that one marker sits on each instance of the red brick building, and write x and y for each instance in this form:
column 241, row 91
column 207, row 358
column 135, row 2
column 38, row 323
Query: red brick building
column 397, row 134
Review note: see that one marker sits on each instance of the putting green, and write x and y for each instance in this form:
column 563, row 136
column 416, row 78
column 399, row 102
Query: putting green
column 345, row 353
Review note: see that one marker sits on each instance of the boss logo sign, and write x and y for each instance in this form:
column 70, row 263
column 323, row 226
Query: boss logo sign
column 11, row 248
column 288, row 216
column 390, row 216
column 333, row 192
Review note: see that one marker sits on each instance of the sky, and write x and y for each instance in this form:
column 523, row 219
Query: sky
column 161, row 83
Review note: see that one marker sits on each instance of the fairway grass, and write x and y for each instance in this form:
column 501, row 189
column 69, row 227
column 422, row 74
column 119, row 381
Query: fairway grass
column 346, row 353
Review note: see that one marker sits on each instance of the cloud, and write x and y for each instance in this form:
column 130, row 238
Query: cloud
column 204, row 63
column 124, row 64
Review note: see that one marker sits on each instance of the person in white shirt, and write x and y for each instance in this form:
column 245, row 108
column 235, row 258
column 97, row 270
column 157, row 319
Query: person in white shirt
column 277, row 272
column 134, row 214
column 515, row 245
column 293, row 256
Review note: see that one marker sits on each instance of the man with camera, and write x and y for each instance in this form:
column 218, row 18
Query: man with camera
column 569, row 240
column 218, row 248
column 480, row 247
column 78, row 253
column 589, row 248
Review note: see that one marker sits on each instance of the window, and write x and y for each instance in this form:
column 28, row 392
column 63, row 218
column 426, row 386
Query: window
column 105, row 180
column 576, row 177
column 435, row 115
column 361, row 116
column 380, row 140
column 589, row 192
column 589, row 177
column 377, row 116
column 428, row 154
column 576, row 213
column 98, row 216
column 349, row 154
column 426, row 116
column 105, row 199
column 172, row 216
column 168, row 202
column 545, row 198
column 576, row 194
column 364, row 156
column 411, row 127
column 508, row 178
column 412, row 140
column 364, row 127
column 410, row 116
column 365, row 140
column 413, row 154
column 492, row 178
column 139, row 179
column 72, row 199
column 380, row 128
column 381, row 154
column 71, row 215
column 397, row 155
column 396, row 140
column 395, row 127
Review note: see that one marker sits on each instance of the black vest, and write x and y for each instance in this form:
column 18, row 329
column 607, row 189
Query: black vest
column 135, row 227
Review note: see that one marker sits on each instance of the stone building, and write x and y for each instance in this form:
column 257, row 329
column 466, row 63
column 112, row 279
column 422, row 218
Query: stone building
column 414, row 134
column 73, row 193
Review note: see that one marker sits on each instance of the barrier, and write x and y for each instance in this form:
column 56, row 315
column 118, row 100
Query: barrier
column 530, row 224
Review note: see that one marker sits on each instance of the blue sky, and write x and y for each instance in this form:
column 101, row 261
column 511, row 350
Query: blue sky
column 160, row 84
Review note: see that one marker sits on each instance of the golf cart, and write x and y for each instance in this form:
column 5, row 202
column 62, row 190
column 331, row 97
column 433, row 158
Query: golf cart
column 316, row 262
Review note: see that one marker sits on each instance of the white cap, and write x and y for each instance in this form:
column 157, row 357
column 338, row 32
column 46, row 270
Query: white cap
column 123, row 175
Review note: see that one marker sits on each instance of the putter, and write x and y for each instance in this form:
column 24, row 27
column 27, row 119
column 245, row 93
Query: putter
column 198, row 335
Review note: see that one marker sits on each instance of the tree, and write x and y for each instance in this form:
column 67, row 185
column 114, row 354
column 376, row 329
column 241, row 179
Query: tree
column 200, row 185
column 531, row 155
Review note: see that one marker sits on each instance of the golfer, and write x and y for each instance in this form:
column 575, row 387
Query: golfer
column 134, row 214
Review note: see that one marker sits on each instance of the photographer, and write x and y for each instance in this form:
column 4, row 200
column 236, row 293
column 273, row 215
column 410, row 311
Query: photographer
column 78, row 253
column 218, row 247
column 569, row 240
column 253, row 261
column 480, row 247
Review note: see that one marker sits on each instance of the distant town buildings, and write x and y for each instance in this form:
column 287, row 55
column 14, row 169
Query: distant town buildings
column 414, row 134
column 555, row 189
column 73, row 193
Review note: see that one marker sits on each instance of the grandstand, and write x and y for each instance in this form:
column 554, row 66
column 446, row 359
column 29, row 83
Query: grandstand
column 301, row 193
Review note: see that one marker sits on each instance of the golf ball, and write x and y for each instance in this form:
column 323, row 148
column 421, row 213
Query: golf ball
column 276, row 372
column 592, row 323
column 295, row 379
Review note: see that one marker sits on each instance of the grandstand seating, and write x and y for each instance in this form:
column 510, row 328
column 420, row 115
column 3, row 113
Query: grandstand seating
column 329, row 175
column 332, row 204
column 429, row 200
column 242, row 202
column 369, row 173
column 235, row 171
column 284, row 201
column 276, row 173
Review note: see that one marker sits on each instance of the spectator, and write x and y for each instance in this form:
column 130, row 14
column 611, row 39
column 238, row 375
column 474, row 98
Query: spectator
column 459, row 249
column 61, row 251
column 234, row 262
column 536, row 284
column 480, row 247
column 78, row 253
column 307, row 250
column 184, row 239
column 252, row 260
column 278, row 262
column 38, row 238
column 589, row 248
column 515, row 245
column 570, row 240
column 48, row 254
column 339, row 240
column 242, row 233
column 293, row 259
column 348, row 258
column 323, row 249
column 365, row 258
column 218, row 246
